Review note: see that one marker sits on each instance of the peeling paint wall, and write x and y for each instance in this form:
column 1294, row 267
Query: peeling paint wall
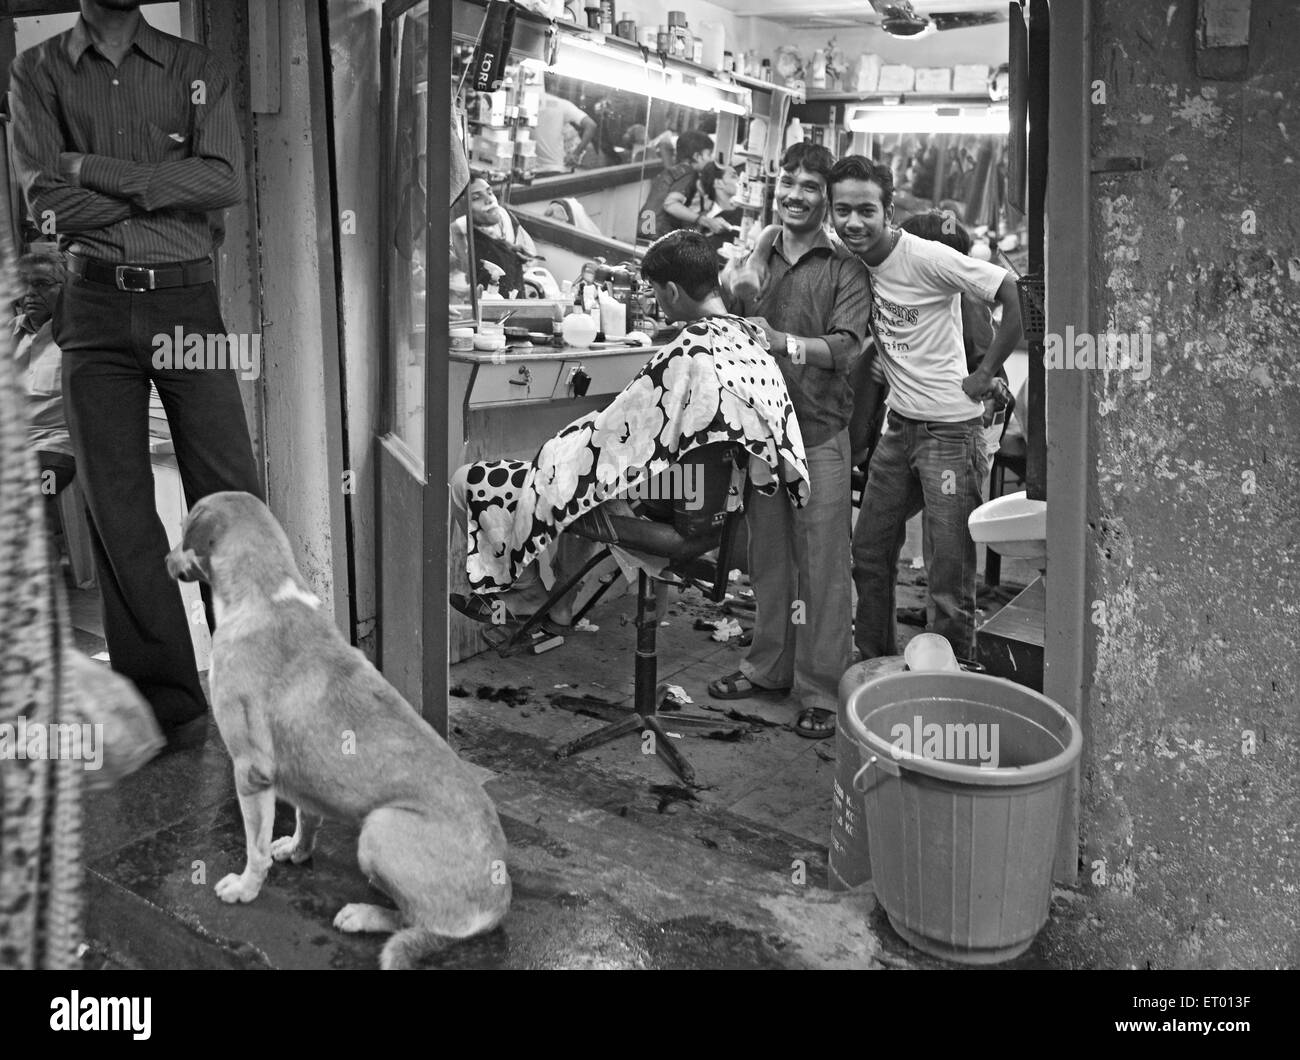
column 1191, row 817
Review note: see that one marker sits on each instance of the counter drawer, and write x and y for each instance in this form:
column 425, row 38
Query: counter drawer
column 502, row 384
column 609, row 374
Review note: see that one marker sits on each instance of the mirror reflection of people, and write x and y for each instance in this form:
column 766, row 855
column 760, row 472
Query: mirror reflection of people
column 40, row 371
column 555, row 116
column 720, row 185
column 500, row 247
column 570, row 211
column 674, row 201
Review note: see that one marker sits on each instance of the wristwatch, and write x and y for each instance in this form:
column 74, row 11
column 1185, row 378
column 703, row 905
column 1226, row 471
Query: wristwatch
column 792, row 347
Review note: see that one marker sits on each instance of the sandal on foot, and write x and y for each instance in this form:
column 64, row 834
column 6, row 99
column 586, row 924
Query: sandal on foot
column 815, row 724
column 738, row 686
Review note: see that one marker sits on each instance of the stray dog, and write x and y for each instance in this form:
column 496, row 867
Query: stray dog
column 308, row 719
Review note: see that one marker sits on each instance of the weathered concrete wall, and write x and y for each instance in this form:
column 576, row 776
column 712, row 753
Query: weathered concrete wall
column 300, row 346
column 1190, row 801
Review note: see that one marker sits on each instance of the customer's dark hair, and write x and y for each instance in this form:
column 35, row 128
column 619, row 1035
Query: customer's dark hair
column 690, row 143
column 809, row 156
column 859, row 167
column 686, row 258
column 939, row 226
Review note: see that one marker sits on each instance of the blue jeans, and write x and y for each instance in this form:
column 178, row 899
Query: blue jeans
column 938, row 468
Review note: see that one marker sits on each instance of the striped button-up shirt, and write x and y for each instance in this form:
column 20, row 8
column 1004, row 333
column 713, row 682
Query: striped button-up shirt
column 159, row 138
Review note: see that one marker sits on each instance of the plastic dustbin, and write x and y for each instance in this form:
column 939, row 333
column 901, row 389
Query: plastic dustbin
column 849, row 861
column 963, row 778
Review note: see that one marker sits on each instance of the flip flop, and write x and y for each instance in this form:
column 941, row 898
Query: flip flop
column 822, row 727
column 729, row 687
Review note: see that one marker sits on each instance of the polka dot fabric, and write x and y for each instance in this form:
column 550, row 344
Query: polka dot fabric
column 715, row 382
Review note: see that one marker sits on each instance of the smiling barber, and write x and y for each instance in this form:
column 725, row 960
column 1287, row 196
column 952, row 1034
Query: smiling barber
column 813, row 309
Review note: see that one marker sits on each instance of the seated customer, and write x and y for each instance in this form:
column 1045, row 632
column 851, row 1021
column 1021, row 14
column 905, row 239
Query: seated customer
column 715, row 382
column 500, row 248
column 40, row 371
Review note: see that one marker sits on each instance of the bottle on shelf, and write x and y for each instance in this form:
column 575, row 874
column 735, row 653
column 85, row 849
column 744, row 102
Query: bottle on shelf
column 818, row 79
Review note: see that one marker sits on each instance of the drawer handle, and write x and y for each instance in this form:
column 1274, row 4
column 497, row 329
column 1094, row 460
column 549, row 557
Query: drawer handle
column 526, row 377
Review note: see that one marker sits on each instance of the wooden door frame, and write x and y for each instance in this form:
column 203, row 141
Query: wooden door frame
column 1069, row 647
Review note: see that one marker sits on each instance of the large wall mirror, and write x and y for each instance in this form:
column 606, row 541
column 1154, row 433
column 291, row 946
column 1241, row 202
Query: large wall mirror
column 562, row 167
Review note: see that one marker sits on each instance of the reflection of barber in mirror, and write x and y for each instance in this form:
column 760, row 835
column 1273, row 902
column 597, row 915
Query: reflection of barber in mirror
column 556, row 116
column 500, row 248
column 669, row 205
column 719, row 185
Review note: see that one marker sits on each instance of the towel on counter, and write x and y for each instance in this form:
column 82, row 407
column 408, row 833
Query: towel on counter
column 715, row 382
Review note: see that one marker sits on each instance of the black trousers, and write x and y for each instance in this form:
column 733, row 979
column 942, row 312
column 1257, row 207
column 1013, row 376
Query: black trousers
column 107, row 339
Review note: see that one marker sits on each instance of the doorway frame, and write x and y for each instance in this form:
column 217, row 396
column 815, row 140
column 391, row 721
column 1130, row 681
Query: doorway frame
column 1069, row 645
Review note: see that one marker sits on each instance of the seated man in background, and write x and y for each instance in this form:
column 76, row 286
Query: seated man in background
column 715, row 382
column 40, row 371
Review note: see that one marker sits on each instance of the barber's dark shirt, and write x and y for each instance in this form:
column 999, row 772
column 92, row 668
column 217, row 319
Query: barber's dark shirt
column 826, row 295
column 160, row 140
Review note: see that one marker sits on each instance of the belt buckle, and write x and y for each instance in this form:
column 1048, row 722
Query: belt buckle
column 120, row 273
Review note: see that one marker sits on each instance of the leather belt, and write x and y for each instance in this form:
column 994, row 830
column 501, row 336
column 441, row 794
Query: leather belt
column 140, row 278
column 909, row 419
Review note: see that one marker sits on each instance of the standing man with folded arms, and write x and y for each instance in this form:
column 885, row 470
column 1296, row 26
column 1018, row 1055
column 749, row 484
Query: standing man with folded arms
column 125, row 139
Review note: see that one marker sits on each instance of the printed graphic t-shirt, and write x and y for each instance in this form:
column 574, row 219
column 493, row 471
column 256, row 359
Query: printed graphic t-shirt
column 917, row 314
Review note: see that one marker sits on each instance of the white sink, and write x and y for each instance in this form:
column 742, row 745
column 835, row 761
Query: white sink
column 1013, row 526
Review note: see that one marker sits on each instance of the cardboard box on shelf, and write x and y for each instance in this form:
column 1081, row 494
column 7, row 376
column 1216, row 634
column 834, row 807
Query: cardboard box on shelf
column 896, row 78
column 970, row 78
column 934, row 79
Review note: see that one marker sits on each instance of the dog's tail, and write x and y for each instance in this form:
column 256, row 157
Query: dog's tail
column 407, row 947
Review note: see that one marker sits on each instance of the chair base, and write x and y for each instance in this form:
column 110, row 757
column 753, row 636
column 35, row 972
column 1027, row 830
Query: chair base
column 646, row 715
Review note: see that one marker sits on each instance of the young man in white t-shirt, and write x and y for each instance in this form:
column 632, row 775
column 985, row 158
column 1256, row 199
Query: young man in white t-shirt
column 929, row 456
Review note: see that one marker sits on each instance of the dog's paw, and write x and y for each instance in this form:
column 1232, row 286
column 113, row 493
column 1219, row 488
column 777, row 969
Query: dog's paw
column 358, row 916
column 238, row 887
column 286, row 849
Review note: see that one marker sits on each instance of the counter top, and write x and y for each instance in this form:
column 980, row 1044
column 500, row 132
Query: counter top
column 513, row 354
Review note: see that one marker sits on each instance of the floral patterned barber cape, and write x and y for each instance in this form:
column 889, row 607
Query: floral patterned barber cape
column 715, row 382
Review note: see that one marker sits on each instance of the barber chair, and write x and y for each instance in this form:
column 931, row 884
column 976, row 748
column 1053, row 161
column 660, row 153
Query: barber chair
column 697, row 536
